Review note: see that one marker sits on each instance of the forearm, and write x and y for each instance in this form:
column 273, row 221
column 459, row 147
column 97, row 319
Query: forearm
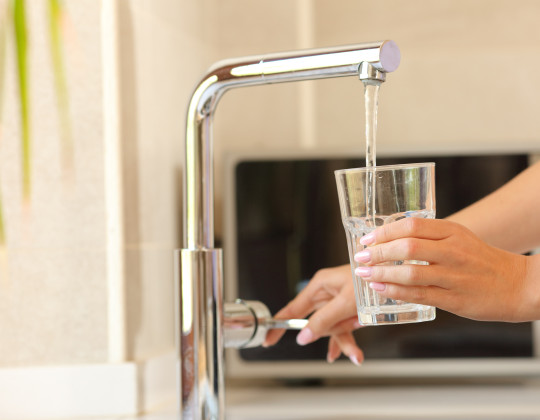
column 528, row 305
column 508, row 218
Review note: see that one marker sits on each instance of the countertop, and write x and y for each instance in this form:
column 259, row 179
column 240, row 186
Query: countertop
column 508, row 402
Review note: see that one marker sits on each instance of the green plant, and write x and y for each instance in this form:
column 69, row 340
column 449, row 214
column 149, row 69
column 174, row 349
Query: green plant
column 19, row 24
column 60, row 81
column 13, row 16
column 3, row 37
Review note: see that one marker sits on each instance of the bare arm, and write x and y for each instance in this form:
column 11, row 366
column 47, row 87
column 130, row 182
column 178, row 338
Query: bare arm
column 466, row 276
column 509, row 217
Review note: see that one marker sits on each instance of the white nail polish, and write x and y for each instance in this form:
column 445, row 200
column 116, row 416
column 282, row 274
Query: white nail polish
column 355, row 360
column 304, row 337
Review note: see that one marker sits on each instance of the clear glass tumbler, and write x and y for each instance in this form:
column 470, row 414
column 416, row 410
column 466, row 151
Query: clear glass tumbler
column 372, row 197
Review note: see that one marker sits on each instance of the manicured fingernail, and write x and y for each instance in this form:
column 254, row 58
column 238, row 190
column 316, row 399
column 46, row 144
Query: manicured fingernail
column 330, row 359
column 367, row 239
column 354, row 360
column 357, row 324
column 379, row 287
column 304, row 337
column 363, row 257
column 363, row 272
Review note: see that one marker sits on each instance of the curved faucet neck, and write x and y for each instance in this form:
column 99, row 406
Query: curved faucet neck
column 378, row 58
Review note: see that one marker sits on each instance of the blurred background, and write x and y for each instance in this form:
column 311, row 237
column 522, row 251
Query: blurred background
column 91, row 149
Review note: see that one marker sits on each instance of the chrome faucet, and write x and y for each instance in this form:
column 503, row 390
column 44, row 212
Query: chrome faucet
column 205, row 323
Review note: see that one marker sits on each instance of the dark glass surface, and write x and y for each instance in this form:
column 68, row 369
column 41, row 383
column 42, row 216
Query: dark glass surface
column 289, row 226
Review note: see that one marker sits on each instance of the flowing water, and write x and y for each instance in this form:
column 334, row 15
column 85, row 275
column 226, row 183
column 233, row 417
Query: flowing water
column 371, row 101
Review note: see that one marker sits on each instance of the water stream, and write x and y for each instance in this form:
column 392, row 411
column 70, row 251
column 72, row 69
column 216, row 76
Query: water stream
column 371, row 101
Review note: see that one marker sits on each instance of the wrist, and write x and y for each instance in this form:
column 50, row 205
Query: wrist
column 530, row 304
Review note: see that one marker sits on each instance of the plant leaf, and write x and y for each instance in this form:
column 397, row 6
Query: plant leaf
column 3, row 30
column 3, row 26
column 19, row 20
column 55, row 21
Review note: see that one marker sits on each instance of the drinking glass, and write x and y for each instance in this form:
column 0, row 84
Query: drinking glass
column 375, row 196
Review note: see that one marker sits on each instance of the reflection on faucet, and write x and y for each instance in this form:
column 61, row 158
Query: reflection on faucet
column 198, row 266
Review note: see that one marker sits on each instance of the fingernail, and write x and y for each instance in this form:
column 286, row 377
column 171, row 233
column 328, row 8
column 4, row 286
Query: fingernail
column 363, row 272
column 357, row 324
column 304, row 337
column 354, row 360
column 330, row 359
column 367, row 239
column 363, row 257
column 379, row 287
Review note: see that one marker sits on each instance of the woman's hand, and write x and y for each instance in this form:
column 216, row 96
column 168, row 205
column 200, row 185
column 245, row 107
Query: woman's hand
column 465, row 276
column 330, row 296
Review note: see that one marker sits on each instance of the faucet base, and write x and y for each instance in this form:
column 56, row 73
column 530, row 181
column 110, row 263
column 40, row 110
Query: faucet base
column 198, row 274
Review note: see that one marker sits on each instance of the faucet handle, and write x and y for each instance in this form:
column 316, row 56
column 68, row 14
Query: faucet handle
column 287, row 324
column 246, row 323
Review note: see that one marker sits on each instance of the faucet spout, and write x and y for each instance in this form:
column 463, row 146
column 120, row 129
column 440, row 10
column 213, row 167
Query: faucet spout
column 198, row 264
column 370, row 60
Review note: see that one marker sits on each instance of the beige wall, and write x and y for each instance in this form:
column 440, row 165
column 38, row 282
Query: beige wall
column 56, row 307
column 469, row 72
column 165, row 47
column 53, row 300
